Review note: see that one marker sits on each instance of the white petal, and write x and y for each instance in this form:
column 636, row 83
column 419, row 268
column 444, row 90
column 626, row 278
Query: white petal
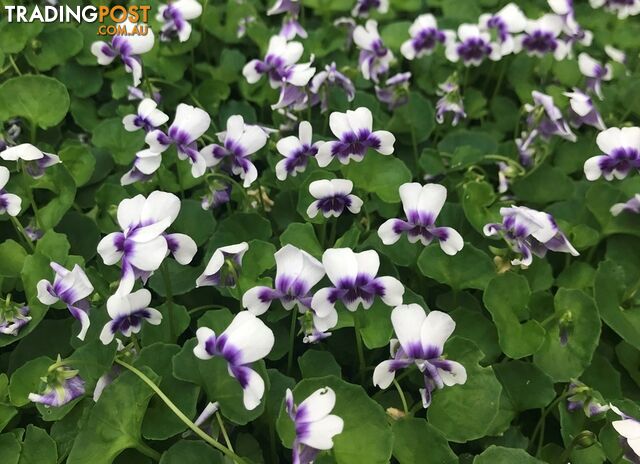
column 368, row 262
column 393, row 290
column 44, row 296
column 250, row 73
column 4, row 177
column 339, row 124
column 407, row 323
column 148, row 164
column 250, row 336
column 106, row 336
column 326, row 322
column 457, row 376
column 103, row 58
column 203, row 335
column 128, row 123
column 587, row 65
column 25, row 151
column 148, row 256
column 254, row 390
column 360, row 119
column 250, row 176
column 190, row 9
column 387, row 232
column 318, row 405
column 253, row 139
column 305, row 132
column 628, row 428
column 453, row 243
column 251, row 300
column 288, row 145
column 322, row 306
column 186, row 247
column 323, row 188
column 356, row 204
column 107, row 249
column 324, row 155
column 321, row 433
column 312, row 210
column 382, row 375
column 592, row 169
column 129, row 211
column 13, row 204
column 387, row 139
column 340, row 263
column 192, row 120
column 410, row 196
column 432, row 198
column 436, row 329
column 630, row 137
column 159, row 206
column 341, row 186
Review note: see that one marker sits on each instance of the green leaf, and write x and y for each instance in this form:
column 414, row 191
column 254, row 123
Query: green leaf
column 483, row 142
column 415, row 440
column 379, row 174
column 258, row 258
column 171, row 313
column 57, row 180
column 506, row 297
column 469, row 268
column 79, row 161
column 599, row 199
column 610, row 289
column 114, row 422
column 315, row 363
column 526, row 386
column 12, row 257
column 160, row 423
column 416, row 118
column 366, row 436
column 42, row 100
column 500, row 455
column 376, row 328
column 14, row 36
column 82, row 233
column 182, row 278
column 38, row 447
column 194, row 221
column 122, row 145
column 241, row 227
column 81, row 81
column 26, row 379
column 562, row 363
column 544, row 185
column 449, row 411
column 303, row 236
column 191, row 452
column 9, row 449
column 54, row 46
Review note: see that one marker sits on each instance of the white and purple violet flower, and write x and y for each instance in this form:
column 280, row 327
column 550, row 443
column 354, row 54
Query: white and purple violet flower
column 13, row 318
column 9, row 202
column 246, row 340
column 127, row 313
column 374, row 58
column 315, row 426
column 422, row 205
column 583, row 111
column 290, row 24
column 503, row 24
column 450, row 101
column 529, row 232
column 62, row 385
column 622, row 8
column 354, row 130
column 395, row 91
column 147, row 117
column 332, row 197
column 632, row 206
column 595, row 72
column 629, row 430
column 224, row 266
column 354, row 276
column 621, row 147
column 330, row 77
column 142, row 245
column 72, row 288
column 36, row 161
column 296, row 151
column 238, row 143
column 541, row 36
column 473, row 46
column 425, row 37
column 421, row 339
column 126, row 47
column 175, row 17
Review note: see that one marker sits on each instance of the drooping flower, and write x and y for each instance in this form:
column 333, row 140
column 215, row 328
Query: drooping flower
column 9, row 203
column 580, row 396
column 280, row 65
column 36, row 161
column 632, row 206
column 296, row 151
column 355, row 136
column 315, row 426
column 583, row 110
column 572, row 31
column 450, row 101
column 363, row 8
column 297, row 273
column 175, row 19
column 243, row 25
column 219, row 194
column 330, row 77
column 529, row 232
column 62, row 385
column 147, row 117
column 506, row 22
column 127, row 313
column 143, row 244
column 472, row 47
column 629, row 430
column 425, row 36
column 374, row 58
column 422, row 205
column 354, row 276
column 621, row 148
column 126, row 47
column 617, row 55
column 239, row 142
column 421, row 339
column 134, row 93
column 189, row 124
column 622, row 8
column 290, row 25
column 246, row 340
column 595, row 72
column 395, row 92
column 224, row 266
column 541, row 36
column 209, row 410
column 332, row 197
column 13, row 318
column 72, row 288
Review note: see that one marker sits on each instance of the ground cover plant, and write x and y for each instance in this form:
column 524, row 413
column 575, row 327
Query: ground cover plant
column 327, row 231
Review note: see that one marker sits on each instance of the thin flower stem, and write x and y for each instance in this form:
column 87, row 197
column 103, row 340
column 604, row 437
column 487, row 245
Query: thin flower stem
column 167, row 286
column 14, row 65
column 414, row 144
column 260, row 199
column 197, row 430
column 22, row 233
column 402, row 397
column 540, row 425
column 332, row 231
column 292, row 340
column 148, row 451
column 357, row 323
column 203, row 307
column 224, row 430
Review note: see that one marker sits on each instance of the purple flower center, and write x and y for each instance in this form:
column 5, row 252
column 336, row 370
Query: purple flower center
column 356, row 144
column 427, row 39
column 336, row 203
column 540, row 42
column 474, row 49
